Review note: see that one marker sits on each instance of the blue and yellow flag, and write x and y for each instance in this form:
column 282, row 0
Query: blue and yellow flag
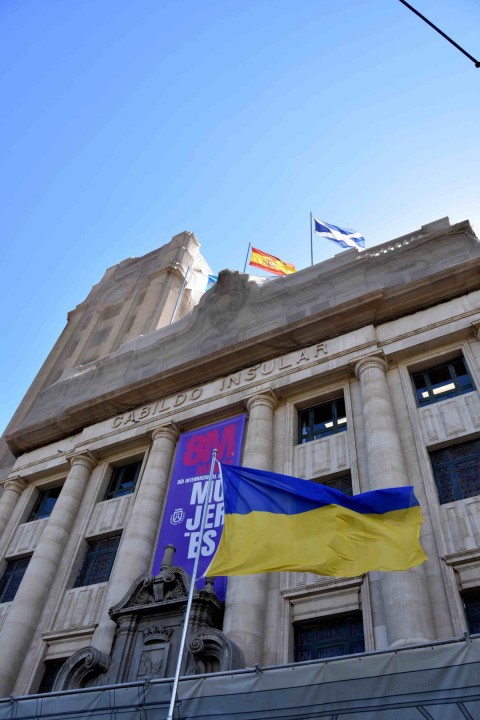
column 277, row 522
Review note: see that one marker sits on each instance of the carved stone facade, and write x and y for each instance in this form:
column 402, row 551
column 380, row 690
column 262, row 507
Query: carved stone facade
column 355, row 329
column 149, row 622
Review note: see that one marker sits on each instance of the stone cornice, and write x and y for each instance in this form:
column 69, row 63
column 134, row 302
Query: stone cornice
column 247, row 335
column 462, row 557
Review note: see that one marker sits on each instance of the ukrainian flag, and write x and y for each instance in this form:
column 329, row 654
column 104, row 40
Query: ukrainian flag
column 276, row 522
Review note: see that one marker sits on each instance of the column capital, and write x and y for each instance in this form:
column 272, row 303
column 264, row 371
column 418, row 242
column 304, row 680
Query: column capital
column 369, row 361
column 82, row 457
column 476, row 329
column 15, row 484
column 267, row 398
column 169, row 432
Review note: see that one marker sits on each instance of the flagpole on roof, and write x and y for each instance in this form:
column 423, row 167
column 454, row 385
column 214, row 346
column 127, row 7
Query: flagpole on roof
column 180, row 294
column 191, row 591
column 311, row 238
column 246, row 259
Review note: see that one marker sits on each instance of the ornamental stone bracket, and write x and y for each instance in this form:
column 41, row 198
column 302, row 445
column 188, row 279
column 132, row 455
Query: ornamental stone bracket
column 149, row 620
column 81, row 669
column 213, row 650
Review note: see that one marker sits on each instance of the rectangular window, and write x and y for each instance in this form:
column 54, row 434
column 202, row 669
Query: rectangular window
column 44, row 504
column 328, row 637
column 123, row 480
column 52, row 668
column 321, row 420
column 442, row 381
column 11, row 578
column 471, row 602
column 98, row 561
column 457, row 471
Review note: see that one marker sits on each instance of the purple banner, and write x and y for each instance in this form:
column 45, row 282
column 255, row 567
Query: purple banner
column 188, row 486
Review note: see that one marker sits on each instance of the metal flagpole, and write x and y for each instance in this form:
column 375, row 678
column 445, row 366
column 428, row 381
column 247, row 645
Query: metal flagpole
column 180, row 294
column 246, row 259
column 191, row 591
column 311, row 238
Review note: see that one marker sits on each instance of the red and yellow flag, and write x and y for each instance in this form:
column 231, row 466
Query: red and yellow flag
column 271, row 263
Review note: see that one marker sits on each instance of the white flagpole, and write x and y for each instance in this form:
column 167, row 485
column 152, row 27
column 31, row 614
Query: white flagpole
column 180, row 294
column 246, row 259
column 311, row 238
column 192, row 588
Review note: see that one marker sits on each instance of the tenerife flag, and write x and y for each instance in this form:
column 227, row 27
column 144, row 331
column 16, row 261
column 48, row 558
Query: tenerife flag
column 343, row 237
column 276, row 522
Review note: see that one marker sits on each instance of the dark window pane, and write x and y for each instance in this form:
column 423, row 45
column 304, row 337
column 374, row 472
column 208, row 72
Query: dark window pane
column 304, row 655
column 322, row 414
column 322, row 420
column 98, row 562
column 440, row 375
column 442, row 381
column 444, row 485
column 344, row 484
column 11, row 579
column 44, row 504
column 341, row 413
column 457, row 471
column 52, row 668
column 419, row 381
column 472, row 611
column 329, row 637
column 461, row 372
column 468, row 478
column 123, row 480
column 460, row 452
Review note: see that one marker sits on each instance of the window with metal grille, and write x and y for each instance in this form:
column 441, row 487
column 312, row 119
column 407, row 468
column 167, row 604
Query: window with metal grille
column 98, row 561
column 442, row 381
column 123, row 480
column 329, row 637
column 11, row 578
column 52, row 668
column 344, row 483
column 457, row 471
column 471, row 602
column 321, row 420
column 44, row 504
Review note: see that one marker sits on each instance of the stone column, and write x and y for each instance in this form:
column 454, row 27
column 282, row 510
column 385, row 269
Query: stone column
column 138, row 538
column 247, row 595
column 407, row 605
column 12, row 490
column 21, row 622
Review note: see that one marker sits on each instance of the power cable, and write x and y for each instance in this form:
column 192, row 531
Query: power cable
column 470, row 57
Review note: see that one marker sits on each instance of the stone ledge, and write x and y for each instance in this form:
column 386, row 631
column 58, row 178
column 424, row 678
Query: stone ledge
column 226, row 330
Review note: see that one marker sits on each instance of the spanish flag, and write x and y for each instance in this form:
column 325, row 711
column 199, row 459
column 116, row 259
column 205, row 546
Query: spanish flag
column 276, row 522
column 271, row 263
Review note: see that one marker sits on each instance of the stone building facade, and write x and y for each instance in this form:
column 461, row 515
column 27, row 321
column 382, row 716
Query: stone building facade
column 361, row 372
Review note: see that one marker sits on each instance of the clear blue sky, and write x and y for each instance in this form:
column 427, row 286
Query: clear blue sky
column 124, row 123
